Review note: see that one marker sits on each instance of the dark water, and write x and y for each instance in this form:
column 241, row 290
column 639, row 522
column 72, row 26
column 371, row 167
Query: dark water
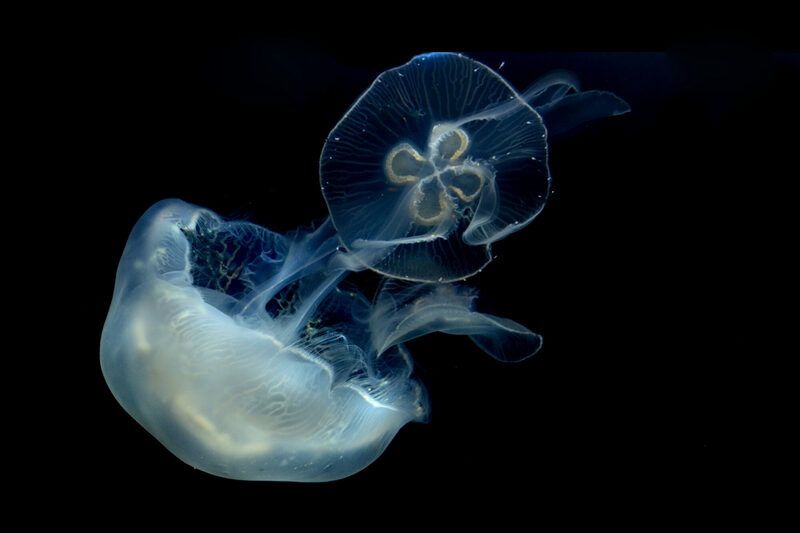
column 635, row 273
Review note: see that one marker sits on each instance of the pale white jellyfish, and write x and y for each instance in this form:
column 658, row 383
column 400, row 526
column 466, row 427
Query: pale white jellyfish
column 244, row 354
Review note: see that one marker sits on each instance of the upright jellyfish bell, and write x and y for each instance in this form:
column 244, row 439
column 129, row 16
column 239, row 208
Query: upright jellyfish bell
column 437, row 159
column 441, row 157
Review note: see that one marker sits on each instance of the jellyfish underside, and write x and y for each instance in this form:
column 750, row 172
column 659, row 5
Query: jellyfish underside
column 250, row 356
column 441, row 157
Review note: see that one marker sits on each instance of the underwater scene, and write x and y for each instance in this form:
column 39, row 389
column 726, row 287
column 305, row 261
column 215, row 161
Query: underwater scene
column 247, row 353
column 326, row 266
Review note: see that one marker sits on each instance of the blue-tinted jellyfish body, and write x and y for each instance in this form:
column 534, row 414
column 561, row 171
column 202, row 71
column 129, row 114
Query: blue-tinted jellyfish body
column 248, row 354
column 441, row 157
column 244, row 354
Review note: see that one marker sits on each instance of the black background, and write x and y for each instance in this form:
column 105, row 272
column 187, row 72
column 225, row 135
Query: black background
column 636, row 273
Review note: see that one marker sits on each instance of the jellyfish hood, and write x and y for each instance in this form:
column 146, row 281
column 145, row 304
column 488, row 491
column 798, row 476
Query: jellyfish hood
column 436, row 160
column 244, row 353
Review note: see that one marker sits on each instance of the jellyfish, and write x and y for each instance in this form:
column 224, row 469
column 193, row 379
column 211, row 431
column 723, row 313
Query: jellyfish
column 441, row 157
column 244, row 352
column 250, row 355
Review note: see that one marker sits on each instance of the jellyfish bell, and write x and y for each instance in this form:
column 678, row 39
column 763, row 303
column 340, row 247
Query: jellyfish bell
column 285, row 389
column 441, row 157
column 246, row 354
column 431, row 164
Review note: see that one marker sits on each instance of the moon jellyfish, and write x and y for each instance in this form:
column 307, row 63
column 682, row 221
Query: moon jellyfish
column 244, row 354
column 441, row 157
column 248, row 354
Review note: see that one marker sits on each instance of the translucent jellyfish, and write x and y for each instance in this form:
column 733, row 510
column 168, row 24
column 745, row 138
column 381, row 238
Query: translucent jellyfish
column 250, row 356
column 441, row 157
column 243, row 353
